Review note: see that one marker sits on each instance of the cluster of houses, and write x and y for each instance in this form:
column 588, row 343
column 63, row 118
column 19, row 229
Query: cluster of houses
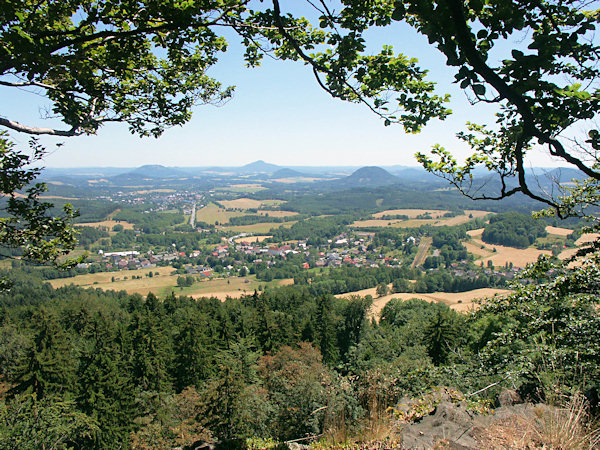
column 131, row 259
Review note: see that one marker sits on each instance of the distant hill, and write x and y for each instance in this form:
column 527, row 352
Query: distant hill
column 370, row 176
column 419, row 174
column 287, row 173
column 152, row 171
column 259, row 167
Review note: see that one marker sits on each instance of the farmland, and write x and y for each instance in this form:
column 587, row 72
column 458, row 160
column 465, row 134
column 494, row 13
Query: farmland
column 213, row 214
column 500, row 255
column 165, row 282
column 108, row 224
column 417, row 218
column 460, row 301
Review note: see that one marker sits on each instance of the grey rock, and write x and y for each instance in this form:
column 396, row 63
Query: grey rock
column 509, row 397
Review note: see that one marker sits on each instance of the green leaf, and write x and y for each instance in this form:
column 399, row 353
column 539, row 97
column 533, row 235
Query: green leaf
column 479, row 89
column 399, row 11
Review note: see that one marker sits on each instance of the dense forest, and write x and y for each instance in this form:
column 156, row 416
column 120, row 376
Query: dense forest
column 513, row 230
column 108, row 369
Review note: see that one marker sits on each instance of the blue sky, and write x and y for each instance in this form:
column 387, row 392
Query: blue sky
column 278, row 114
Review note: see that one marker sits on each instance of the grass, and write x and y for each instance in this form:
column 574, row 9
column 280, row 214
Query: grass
column 567, row 427
column 422, row 251
column 272, row 202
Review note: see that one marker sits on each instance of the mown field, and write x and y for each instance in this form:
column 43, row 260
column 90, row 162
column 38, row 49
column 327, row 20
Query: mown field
column 249, row 188
column 436, row 219
column 108, row 224
column 500, row 255
column 459, row 301
column 258, row 227
column 212, row 214
column 142, row 286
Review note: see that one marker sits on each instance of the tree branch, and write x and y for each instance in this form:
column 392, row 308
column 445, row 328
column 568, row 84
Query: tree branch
column 466, row 45
column 316, row 66
column 37, row 130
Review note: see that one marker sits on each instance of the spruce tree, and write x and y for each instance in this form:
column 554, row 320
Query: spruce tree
column 194, row 352
column 326, row 337
column 105, row 390
column 48, row 367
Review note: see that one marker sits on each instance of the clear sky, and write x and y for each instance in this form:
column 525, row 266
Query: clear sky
column 278, row 114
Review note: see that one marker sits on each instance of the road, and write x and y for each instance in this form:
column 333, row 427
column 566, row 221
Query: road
column 422, row 251
column 193, row 216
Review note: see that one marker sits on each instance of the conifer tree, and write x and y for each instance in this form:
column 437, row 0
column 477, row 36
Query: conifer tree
column 325, row 330
column 105, row 390
column 48, row 366
column 151, row 352
column 440, row 336
column 194, row 353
